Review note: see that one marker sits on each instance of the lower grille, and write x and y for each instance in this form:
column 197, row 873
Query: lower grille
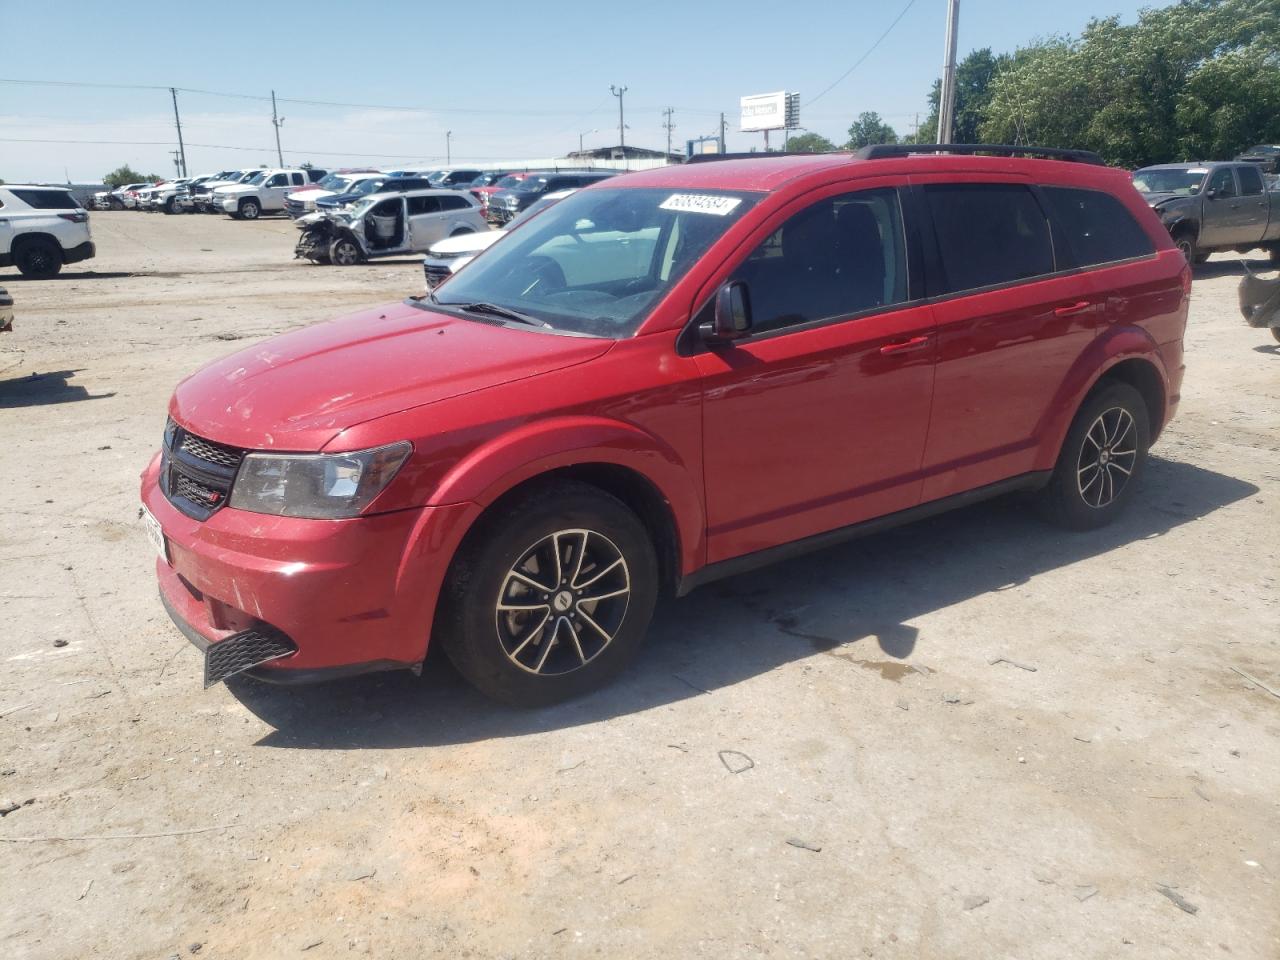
column 195, row 491
column 242, row 652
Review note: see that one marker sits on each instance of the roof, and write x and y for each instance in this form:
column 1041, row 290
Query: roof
column 770, row 172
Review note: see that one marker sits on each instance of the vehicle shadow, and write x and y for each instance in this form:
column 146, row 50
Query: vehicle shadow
column 76, row 275
column 1232, row 267
column 855, row 602
column 42, row 389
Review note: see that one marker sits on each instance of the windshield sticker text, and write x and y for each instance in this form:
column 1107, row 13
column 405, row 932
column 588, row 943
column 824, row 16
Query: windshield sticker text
column 700, row 203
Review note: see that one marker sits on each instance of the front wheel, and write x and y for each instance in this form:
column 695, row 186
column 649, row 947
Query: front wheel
column 550, row 596
column 1101, row 459
column 1186, row 243
column 344, row 252
column 249, row 210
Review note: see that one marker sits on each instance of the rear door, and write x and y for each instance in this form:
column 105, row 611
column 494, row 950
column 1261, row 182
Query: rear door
column 426, row 222
column 1009, row 326
column 1254, row 205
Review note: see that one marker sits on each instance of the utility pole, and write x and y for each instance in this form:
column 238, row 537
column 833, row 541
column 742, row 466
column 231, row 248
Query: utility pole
column 177, row 163
column 722, row 147
column 448, row 148
column 670, row 125
column 277, row 122
column 583, row 134
column 182, row 151
column 622, row 137
column 947, row 101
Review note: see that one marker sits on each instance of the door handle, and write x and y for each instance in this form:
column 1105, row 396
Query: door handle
column 1072, row 309
column 906, row 346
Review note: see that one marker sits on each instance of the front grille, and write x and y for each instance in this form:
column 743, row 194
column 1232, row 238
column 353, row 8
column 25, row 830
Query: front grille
column 244, row 651
column 212, row 452
column 197, row 474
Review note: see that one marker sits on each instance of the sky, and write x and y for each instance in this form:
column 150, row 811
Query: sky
column 514, row 80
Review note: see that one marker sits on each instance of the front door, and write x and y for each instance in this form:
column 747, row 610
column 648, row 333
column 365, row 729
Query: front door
column 817, row 420
column 426, row 222
column 1225, row 221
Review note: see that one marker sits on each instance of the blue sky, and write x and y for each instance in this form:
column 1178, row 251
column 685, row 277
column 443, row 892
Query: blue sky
column 549, row 84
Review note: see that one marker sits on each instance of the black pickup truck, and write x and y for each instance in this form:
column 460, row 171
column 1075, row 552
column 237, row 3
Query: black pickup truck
column 1208, row 207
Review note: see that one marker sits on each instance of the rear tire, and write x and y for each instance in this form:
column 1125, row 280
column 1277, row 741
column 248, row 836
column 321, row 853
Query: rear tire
column 38, row 259
column 529, row 630
column 1101, row 461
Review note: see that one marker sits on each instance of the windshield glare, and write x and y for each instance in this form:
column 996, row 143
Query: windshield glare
column 508, row 182
column 333, row 181
column 257, row 177
column 598, row 261
column 1183, row 182
column 531, row 185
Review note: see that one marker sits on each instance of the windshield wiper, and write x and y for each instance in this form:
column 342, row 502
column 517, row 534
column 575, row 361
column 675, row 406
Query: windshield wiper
column 499, row 311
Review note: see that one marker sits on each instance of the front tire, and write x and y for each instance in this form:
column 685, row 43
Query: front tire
column 249, row 210
column 550, row 596
column 171, row 206
column 344, row 252
column 1102, row 459
column 39, row 259
column 1186, row 243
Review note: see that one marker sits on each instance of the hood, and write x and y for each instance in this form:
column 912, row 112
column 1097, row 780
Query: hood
column 238, row 188
column 466, row 243
column 298, row 391
column 1158, row 199
column 335, row 199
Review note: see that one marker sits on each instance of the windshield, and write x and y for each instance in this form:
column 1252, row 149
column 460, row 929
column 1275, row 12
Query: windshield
column 256, row 178
column 598, row 261
column 334, row 182
column 531, row 185
column 367, row 186
column 1186, row 183
column 532, row 210
column 436, row 176
column 506, row 183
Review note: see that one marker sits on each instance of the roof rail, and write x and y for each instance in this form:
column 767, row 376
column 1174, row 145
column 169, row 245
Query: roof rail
column 881, row 151
column 708, row 157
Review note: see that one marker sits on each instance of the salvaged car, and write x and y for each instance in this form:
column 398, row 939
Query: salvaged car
column 1260, row 302
column 1208, row 207
column 387, row 224
column 677, row 375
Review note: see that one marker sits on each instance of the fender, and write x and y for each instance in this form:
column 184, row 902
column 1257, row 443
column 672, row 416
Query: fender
column 1111, row 347
column 504, row 462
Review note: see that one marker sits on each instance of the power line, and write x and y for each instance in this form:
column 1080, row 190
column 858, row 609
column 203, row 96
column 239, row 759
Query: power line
column 861, row 59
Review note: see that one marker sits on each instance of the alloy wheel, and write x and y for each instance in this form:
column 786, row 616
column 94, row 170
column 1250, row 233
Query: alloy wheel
column 1107, row 457
column 562, row 603
column 345, row 253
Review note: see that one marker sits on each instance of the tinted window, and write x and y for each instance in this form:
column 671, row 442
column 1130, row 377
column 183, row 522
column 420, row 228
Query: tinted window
column 47, row 199
column 279, row 180
column 315, row 175
column 988, row 234
column 454, row 203
column 298, row 179
column 1223, row 183
column 1250, row 181
column 424, row 205
column 841, row 256
column 1097, row 226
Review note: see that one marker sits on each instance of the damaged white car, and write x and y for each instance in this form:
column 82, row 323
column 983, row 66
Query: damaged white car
column 382, row 225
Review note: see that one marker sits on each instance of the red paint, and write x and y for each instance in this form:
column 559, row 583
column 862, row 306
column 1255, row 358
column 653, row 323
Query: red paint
column 751, row 446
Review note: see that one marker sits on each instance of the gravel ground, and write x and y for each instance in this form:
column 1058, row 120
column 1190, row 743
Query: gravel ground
column 814, row 760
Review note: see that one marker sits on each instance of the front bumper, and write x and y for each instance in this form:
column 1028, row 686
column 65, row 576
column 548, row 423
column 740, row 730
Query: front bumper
column 227, row 204
column 349, row 595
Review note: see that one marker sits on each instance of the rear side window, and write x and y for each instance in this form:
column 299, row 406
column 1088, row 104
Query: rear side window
column 1097, row 226
column 47, row 199
column 454, row 203
column 989, row 234
column 1250, row 181
column 419, row 205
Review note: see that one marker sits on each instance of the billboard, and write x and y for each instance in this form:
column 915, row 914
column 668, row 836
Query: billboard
column 764, row 111
column 770, row 111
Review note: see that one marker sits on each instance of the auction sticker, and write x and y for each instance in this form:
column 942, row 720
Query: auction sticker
column 700, row 203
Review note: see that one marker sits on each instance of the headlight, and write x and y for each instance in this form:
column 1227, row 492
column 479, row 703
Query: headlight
column 325, row 486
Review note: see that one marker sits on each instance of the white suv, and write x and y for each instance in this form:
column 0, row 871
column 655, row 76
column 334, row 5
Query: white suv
column 41, row 228
column 264, row 192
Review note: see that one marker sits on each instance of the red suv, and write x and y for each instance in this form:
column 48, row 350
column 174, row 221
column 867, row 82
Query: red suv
column 666, row 378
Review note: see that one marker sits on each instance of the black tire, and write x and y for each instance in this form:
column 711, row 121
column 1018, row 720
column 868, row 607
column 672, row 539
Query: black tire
column 345, row 252
column 171, row 206
column 485, row 642
column 1274, row 252
column 1080, row 498
column 461, row 232
column 38, row 258
column 1275, row 332
column 1186, row 242
column 249, row 210
column 113, row 203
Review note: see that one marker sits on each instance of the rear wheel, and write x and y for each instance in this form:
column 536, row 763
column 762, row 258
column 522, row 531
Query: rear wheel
column 461, row 232
column 39, row 258
column 249, row 209
column 550, row 596
column 1101, row 460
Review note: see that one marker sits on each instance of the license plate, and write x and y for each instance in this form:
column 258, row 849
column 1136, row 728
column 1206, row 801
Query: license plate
column 155, row 534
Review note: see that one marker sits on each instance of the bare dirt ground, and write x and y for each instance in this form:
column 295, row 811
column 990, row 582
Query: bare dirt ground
column 902, row 795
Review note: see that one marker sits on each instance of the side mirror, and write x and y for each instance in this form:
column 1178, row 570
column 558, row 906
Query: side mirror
column 1211, row 193
column 732, row 315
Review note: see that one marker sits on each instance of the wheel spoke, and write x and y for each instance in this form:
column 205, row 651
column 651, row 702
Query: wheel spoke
column 1128, row 425
column 551, row 642
column 1123, row 470
column 605, row 596
column 577, row 645
column 529, row 581
column 555, row 549
column 596, row 577
column 532, row 633
column 582, row 552
column 599, row 629
column 523, row 607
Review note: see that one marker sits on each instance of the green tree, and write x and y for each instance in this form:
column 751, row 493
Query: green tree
column 122, row 175
column 810, row 142
column 869, row 129
column 974, row 76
